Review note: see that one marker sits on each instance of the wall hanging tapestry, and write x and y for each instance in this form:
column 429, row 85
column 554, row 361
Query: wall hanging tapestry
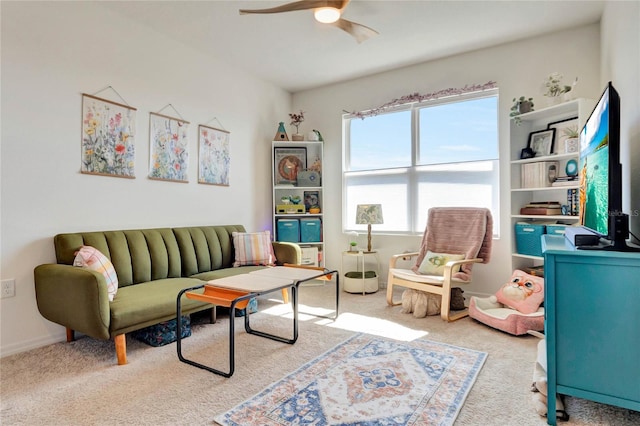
column 169, row 150
column 213, row 156
column 108, row 131
column 368, row 380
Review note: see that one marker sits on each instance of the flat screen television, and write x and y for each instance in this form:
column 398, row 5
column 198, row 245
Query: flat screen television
column 601, row 174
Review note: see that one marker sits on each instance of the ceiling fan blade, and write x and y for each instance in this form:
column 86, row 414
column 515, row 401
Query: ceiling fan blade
column 358, row 31
column 297, row 5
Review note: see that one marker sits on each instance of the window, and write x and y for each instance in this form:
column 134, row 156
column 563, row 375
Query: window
column 435, row 153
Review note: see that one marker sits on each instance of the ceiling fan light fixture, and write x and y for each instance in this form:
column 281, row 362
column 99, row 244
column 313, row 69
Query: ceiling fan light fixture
column 326, row 15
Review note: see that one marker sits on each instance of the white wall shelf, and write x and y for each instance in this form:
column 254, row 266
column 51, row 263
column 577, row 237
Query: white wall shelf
column 520, row 130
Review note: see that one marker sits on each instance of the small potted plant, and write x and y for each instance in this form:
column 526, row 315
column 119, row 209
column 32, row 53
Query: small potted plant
column 571, row 135
column 296, row 120
column 555, row 88
column 353, row 245
column 520, row 105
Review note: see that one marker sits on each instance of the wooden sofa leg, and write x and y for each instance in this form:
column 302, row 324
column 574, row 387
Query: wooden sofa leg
column 121, row 348
column 285, row 296
column 70, row 335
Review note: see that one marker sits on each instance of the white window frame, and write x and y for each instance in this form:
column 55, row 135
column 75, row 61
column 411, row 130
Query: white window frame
column 416, row 227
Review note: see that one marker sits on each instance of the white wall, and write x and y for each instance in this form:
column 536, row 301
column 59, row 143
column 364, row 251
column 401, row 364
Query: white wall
column 519, row 69
column 52, row 52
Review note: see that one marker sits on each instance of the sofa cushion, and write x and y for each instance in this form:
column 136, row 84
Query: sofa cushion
column 148, row 303
column 90, row 258
column 253, row 249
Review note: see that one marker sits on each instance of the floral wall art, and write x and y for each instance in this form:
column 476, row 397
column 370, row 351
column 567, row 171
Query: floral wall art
column 213, row 156
column 108, row 131
column 169, row 148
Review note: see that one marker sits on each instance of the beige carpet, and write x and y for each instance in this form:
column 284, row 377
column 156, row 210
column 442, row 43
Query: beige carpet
column 80, row 384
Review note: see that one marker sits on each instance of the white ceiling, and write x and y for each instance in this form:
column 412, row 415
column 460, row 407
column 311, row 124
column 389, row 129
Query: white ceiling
column 295, row 52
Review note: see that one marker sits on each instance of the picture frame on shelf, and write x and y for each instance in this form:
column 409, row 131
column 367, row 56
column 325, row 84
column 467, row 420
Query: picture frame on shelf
column 311, row 199
column 541, row 142
column 561, row 127
column 287, row 162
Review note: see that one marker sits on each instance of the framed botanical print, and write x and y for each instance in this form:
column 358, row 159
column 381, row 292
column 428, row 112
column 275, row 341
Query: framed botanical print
column 169, row 148
column 213, row 156
column 108, row 138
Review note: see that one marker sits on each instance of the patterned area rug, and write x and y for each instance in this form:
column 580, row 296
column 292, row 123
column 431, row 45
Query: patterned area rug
column 368, row 380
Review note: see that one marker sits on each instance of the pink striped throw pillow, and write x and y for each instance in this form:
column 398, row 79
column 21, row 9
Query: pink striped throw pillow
column 91, row 258
column 253, row 249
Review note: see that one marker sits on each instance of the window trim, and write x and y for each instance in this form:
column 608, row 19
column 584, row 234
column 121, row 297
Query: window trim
column 412, row 181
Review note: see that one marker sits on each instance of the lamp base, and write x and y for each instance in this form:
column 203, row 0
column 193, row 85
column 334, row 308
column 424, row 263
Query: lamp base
column 369, row 237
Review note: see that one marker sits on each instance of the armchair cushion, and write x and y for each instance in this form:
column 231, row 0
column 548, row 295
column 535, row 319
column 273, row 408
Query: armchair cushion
column 434, row 263
column 465, row 230
column 91, row 258
column 253, row 249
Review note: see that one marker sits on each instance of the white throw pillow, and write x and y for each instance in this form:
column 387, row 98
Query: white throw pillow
column 433, row 263
column 91, row 258
column 253, row 249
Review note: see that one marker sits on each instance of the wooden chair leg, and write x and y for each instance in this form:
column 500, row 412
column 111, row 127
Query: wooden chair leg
column 121, row 348
column 70, row 335
column 285, row 296
column 390, row 301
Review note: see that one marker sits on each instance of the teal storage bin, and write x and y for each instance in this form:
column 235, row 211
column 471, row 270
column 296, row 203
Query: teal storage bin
column 310, row 230
column 556, row 229
column 288, row 230
column 528, row 238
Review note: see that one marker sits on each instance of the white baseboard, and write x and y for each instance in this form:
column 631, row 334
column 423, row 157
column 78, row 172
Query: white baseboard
column 32, row 344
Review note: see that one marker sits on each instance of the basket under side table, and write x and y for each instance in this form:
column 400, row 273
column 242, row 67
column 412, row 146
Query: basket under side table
column 234, row 293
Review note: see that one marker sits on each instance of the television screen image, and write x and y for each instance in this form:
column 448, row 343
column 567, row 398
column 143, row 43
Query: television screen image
column 600, row 192
column 594, row 169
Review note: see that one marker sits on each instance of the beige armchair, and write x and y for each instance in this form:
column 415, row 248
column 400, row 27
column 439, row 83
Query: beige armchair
column 464, row 232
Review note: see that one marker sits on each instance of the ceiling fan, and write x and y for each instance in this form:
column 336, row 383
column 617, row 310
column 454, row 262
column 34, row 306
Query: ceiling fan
column 326, row 12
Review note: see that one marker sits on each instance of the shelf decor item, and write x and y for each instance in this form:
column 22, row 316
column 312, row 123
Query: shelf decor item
column 567, row 134
column 288, row 162
column 369, row 214
column 555, row 89
column 541, row 142
column 281, row 134
column 296, row 120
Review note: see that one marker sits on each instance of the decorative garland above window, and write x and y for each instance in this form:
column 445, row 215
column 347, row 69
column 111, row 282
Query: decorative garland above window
column 417, row 97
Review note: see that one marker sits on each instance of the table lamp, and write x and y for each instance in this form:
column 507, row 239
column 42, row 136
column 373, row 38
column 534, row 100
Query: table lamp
column 369, row 214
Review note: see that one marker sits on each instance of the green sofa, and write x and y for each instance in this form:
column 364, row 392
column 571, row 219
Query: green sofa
column 152, row 266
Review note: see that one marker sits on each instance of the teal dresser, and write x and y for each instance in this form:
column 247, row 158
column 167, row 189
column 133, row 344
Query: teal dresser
column 592, row 324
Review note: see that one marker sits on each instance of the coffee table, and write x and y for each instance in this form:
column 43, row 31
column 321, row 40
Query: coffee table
column 235, row 292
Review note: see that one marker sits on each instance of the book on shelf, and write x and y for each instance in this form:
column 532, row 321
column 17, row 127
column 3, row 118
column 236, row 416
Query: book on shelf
column 573, row 201
column 544, row 204
column 544, row 211
column 566, row 181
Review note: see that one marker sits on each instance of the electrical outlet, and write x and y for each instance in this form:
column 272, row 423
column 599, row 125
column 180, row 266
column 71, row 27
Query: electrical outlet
column 8, row 288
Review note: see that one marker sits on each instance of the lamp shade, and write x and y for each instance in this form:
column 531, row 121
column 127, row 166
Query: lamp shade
column 369, row 214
